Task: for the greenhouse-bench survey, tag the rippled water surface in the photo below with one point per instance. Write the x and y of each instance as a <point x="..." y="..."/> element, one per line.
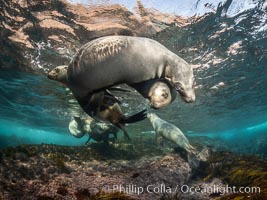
<point x="231" y="90"/>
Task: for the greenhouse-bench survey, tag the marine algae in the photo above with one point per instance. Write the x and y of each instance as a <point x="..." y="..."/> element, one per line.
<point x="241" y="171"/>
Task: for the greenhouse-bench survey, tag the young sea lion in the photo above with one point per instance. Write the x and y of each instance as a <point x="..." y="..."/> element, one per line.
<point x="170" y="132"/>
<point x="161" y="95"/>
<point x="109" y="110"/>
<point x="158" y="92"/>
<point x="108" y="61"/>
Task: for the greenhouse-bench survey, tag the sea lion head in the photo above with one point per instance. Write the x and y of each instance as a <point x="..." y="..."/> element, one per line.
<point x="160" y="95"/>
<point x="59" y="74"/>
<point x="180" y="76"/>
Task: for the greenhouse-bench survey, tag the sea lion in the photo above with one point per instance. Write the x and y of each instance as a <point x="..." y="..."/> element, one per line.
<point x="99" y="131"/>
<point x="111" y="60"/>
<point x="161" y="95"/>
<point x="170" y="132"/>
<point x="109" y="110"/>
<point x="106" y="107"/>
<point x="158" y="92"/>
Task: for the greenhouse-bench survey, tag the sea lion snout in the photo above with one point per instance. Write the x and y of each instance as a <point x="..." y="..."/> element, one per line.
<point x="186" y="91"/>
<point x="190" y="99"/>
<point x="188" y="96"/>
<point x="52" y="75"/>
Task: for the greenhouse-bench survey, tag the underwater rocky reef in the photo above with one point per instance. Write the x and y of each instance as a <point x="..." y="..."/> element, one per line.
<point x="124" y="171"/>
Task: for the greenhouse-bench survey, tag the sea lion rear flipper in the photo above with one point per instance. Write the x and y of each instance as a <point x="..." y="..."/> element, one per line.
<point x="193" y="160"/>
<point x="135" y="118"/>
<point x="88" y="140"/>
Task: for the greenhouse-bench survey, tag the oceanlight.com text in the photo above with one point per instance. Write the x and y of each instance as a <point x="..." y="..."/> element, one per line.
<point x="219" y="189"/>
<point x="162" y="188"/>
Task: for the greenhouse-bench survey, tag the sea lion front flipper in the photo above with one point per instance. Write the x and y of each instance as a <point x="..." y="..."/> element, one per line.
<point x="109" y="96"/>
<point x="135" y="118"/>
<point x="126" y="135"/>
<point x="119" y="89"/>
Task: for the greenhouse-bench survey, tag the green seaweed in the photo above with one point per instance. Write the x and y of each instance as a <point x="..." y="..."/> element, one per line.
<point x="241" y="171"/>
<point x="58" y="159"/>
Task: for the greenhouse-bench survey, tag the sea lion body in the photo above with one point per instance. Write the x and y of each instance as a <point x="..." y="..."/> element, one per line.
<point x="112" y="60"/>
<point x="170" y="132"/>
<point x="158" y="92"/>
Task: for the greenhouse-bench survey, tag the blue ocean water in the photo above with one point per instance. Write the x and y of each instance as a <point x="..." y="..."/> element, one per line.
<point x="231" y="94"/>
<point x="34" y="109"/>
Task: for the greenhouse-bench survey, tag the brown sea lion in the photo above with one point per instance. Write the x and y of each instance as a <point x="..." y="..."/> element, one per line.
<point x="108" y="61"/>
<point x="173" y="134"/>
<point x="158" y="92"/>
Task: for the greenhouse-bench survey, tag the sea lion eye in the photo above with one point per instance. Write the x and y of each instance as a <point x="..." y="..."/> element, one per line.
<point x="165" y="95"/>
<point x="178" y="87"/>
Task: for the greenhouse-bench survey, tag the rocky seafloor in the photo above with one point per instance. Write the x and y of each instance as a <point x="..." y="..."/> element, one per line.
<point x="97" y="171"/>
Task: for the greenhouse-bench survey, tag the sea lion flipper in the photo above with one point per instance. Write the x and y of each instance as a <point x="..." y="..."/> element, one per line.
<point x="88" y="140"/>
<point x="136" y="117"/>
<point x="119" y="89"/>
<point x="126" y="135"/>
<point x="114" y="99"/>
<point x="193" y="159"/>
